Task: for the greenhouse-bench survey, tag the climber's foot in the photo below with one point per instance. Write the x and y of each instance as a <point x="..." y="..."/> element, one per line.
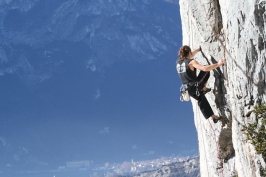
<point x="206" y="90"/>
<point x="216" y="119"/>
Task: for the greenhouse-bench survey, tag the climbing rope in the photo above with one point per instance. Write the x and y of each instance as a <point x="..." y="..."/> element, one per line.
<point x="223" y="44"/>
<point x="217" y="149"/>
<point x="203" y="145"/>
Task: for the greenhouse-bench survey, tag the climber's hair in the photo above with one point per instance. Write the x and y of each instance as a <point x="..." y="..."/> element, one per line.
<point x="184" y="52"/>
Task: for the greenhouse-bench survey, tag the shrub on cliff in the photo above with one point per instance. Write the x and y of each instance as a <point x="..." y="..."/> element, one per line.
<point x="256" y="132"/>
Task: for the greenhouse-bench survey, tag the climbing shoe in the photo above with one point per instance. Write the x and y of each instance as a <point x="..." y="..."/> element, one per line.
<point x="206" y="91"/>
<point x="215" y="120"/>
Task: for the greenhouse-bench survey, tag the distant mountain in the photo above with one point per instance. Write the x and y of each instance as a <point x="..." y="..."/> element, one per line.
<point x="34" y="33"/>
<point x="74" y="77"/>
<point x="189" y="168"/>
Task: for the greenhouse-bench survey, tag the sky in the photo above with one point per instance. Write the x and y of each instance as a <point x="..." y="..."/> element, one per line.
<point x="85" y="98"/>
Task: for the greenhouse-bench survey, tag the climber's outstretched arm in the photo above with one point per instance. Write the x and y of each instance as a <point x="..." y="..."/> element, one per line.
<point x="195" y="64"/>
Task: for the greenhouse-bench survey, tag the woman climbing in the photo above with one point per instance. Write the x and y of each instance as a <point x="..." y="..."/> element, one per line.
<point x="196" y="85"/>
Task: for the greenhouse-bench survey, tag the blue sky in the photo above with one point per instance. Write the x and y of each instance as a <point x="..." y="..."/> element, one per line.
<point x="90" y="98"/>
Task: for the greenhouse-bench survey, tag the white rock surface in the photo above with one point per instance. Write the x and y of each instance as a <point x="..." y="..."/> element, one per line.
<point x="234" y="30"/>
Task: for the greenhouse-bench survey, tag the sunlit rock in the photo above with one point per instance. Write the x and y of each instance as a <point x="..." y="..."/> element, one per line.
<point x="234" y="30"/>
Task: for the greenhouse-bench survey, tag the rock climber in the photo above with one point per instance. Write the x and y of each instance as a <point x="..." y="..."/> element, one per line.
<point x="187" y="70"/>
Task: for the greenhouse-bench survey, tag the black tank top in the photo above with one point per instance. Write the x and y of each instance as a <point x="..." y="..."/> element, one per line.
<point x="185" y="73"/>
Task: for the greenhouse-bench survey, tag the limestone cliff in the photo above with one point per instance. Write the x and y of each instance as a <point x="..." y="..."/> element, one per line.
<point x="234" y="30"/>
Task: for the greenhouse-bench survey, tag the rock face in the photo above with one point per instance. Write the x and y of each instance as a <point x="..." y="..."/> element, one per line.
<point x="234" y="30"/>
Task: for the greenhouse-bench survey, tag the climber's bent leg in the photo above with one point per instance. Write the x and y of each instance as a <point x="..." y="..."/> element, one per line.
<point x="203" y="105"/>
<point x="202" y="79"/>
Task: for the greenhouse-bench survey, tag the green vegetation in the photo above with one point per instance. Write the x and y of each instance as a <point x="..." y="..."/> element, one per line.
<point x="256" y="132"/>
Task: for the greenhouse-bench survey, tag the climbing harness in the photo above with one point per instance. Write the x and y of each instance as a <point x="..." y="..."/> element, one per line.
<point x="197" y="88"/>
<point x="184" y="90"/>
